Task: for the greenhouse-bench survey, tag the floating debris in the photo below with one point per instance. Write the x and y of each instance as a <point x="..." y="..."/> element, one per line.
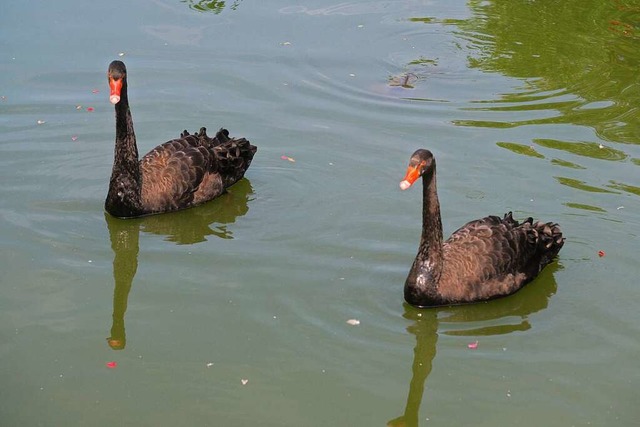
<point x="353" y="322"/>
<point x="472" y="345"/>
<point x="406" y="80"/>
<point x="78" y="107"/>
<point x="244" y="381"/>
<point x="210" y="364"/>
<point x="290" y="159"/>
<point x="74" y="138"/>
<point x="285" y="44"/>
<point x="121" y="54"/>
<point x="41" y="122"/>
<point x="95" y="91"/>
<point x="601" y="254"/>
<point x="112" y="365"/>
<point x="90" y="109"/>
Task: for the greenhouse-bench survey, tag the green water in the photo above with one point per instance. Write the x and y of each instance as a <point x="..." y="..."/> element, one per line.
<point x="235" y="313"/>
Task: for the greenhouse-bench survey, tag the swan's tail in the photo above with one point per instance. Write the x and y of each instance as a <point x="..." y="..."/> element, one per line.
<point x="544" y="239"/>
<point x="234" y="156"/>
<point x="550" y="241"/>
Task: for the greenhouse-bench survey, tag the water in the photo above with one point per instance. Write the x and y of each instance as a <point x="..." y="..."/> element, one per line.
<point x="235" y="313"/>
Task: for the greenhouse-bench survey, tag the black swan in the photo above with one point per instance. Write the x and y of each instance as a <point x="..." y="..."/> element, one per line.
<point x="484" y="259"/>
<point x="178" y="174"/>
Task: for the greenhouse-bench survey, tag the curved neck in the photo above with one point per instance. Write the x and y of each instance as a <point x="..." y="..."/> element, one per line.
<point x="431" y="241"/>
<point x="126" y="152"/>
<point x="421" y="286"/>
<point x="124" y="197"/>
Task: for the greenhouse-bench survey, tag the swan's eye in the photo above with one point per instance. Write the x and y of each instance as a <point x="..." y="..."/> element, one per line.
<point x="423" y="166"/>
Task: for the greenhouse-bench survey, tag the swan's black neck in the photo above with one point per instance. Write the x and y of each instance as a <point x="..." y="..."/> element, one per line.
<point x="123" y="199"/>
<point x="421" y="285"/>
<point x="126" y="154"/>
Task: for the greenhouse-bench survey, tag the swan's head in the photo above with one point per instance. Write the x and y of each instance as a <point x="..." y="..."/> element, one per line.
<point x="421" y="161"/>
<point x="117" y="74"/>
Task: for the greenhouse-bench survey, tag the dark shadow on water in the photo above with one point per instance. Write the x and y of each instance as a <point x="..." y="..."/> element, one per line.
<point x="498" y="317"/>
<point x="186" y="227"/>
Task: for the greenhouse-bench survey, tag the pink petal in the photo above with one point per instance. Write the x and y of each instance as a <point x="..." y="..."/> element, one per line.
<point x="111" y="365"/>
<point x="473" y="345"/>
<point x="95" y="91"/>
<point x="89" y="109"/>
<point x="74" y="138"/>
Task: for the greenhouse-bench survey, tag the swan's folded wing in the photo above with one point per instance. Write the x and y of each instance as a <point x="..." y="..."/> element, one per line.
<point x="172" y="172"/>
<point x="486" y="258"/>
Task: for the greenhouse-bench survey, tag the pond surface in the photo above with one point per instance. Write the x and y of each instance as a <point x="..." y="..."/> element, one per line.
<point x="236" y="312"/>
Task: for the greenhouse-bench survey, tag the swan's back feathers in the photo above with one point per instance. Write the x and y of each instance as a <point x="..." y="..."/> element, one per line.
<point x="192" y="169"/>
<point x="221" y="137"/>
<point x="493" y="257"/>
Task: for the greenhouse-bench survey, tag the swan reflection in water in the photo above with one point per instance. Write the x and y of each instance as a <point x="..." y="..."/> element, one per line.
<point x="186" y="227"/>
<point x="502" y="316"/>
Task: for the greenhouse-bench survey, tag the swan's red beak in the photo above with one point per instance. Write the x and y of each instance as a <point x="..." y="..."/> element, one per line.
<point x="115" y="88"/>
<point x="413" y="173"/>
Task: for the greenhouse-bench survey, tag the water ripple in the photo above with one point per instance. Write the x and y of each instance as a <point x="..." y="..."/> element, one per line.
<point x="587" y="149"/>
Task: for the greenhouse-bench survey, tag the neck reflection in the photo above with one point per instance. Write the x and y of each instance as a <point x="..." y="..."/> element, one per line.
<point x="186" y="227"/>
<point x="502" y="316"/>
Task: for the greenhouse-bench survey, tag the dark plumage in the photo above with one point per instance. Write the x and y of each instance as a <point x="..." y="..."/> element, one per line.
<point x="484" y="259"/>
<point x="178" y="174"/>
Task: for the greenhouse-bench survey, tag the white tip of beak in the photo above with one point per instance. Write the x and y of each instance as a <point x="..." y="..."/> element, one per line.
<point x="114" y="99"/>
<point x="404" y="185"/>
